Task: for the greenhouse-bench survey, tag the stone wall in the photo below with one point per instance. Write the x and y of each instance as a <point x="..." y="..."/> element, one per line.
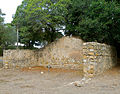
<point x="68" y="52"/>
<point x="98" y="57"/>
<point x="65" y="52"/>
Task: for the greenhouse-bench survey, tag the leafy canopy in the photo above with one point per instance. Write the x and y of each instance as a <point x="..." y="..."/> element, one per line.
<point x="40" y="20"/>
<point x="7" y="33"/>
<point x="95" y="21"/>
<point x="91" y="20"/>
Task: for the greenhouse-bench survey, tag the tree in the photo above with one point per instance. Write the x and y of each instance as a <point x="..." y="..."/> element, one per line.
<point x="74" y="16"/>
<point x="101" y="22"/>
<point x="1" y="26"/>
<point x="41" y="20"/>
<point x="97" y="20"/>
<point x="90" y="18"/>
<point x="20" y="22"/>
<point x="9" y="36"/>
<point x="7" y="33"/>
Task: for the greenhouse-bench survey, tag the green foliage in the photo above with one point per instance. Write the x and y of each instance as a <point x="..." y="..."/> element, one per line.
<point x="1" y="26"/>
<point x="95" y="21"/>
<point x="92" y="20"/>
<point x="1" y="51"/>
<point x="7" y="33"/>
<point x="100" y="22"/>
<point x="40" y="20"/>
<point x="8" y="36"/>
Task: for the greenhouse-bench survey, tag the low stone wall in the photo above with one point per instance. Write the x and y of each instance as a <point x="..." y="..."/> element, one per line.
<point x="64" y="53"/>
<point x="98" y="57"/>
<point x="68" y="52"/>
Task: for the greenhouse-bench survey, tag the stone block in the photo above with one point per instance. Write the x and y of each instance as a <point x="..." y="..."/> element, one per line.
<point x="91" y="53"/>
<point x="91" y="75"/>
<point x="91" y="71"/>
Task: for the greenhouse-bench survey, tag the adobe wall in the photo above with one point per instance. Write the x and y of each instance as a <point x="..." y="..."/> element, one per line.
<point x="66" y="52"/>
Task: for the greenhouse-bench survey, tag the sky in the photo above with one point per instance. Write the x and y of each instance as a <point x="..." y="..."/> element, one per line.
<point x="9" y="8"/>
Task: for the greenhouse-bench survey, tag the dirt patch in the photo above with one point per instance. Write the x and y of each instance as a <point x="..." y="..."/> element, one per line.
<point x="42" y="68"/>
<point x="27" y="86"/>
<point x="3" y="81"/>
<point x="31" y="81"/>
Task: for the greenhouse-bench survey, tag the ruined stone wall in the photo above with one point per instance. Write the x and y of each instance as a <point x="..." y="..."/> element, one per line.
<point x="98" y="57"/>
<point x="65" y="52"/>
<point x="68" y="52"/>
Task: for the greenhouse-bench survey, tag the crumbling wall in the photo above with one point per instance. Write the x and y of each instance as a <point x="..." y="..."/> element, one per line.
<point x="68" y="52"/>
<point x="98" y="57"/>
<point x="65" y="52"/>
